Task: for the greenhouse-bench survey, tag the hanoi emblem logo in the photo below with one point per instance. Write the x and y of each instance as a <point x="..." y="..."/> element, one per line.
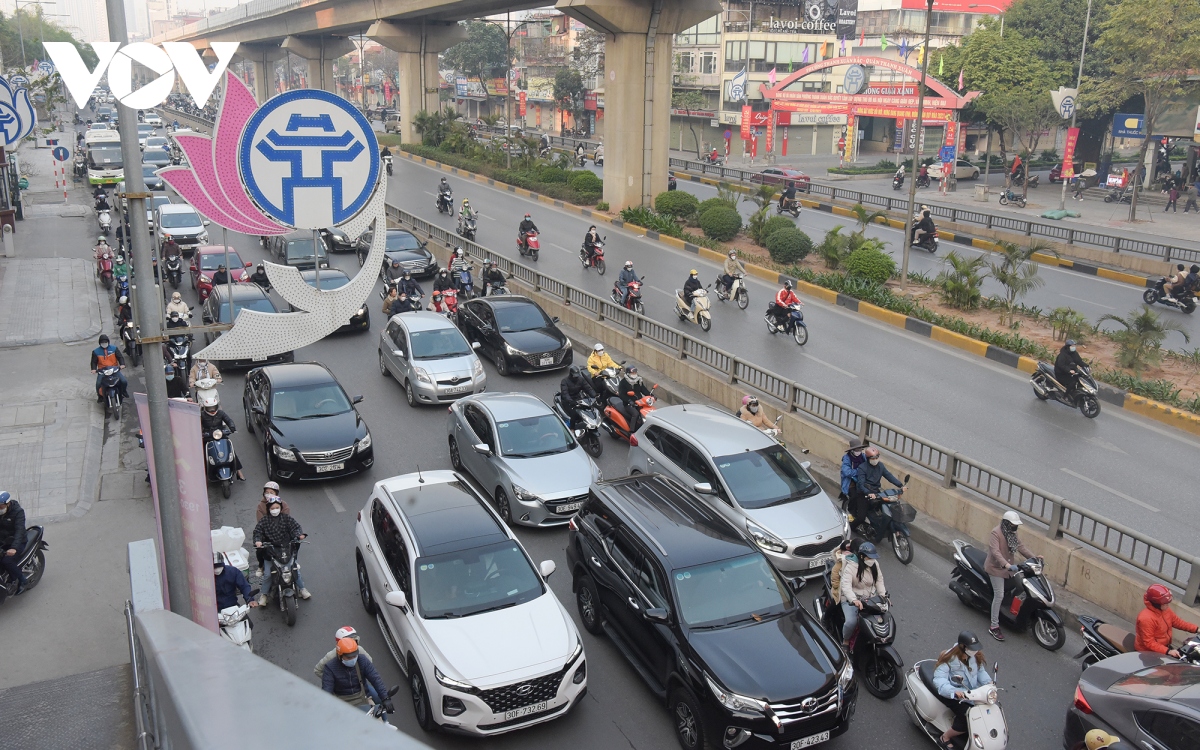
<point x="309" y="159"/>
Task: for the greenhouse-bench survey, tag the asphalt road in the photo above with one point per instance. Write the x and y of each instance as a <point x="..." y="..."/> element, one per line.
<point x="1120" y="465"/>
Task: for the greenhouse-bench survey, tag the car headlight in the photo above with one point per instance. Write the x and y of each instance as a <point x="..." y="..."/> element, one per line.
<point x="524" y="494"/>
<point x="361" y="311"/>
<point x="511" y="351"/>
<point x="204" y="279"/>
<point x="738" y="704"/>
<point x="452" y="683"/>
<point x="477" y="368"/>
<point x="764" y="538"/>
<point x="285" y="453"/>
<point x="422" y="375"/>
<point x="364" y="443"/>
<point x="846" y="676"/>
<point x="203" y="238"/>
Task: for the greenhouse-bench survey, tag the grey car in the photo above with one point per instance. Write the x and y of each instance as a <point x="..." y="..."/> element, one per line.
<point x="522" y="456"/>
<point x="748" y="478"/>
<point x="427" y="355"/>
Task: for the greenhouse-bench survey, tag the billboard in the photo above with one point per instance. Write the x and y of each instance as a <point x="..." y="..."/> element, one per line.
<point x="837" y="17"/>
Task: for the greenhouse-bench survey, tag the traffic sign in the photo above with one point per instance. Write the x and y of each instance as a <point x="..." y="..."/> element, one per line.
<point x="61" y="153"/>
<point x="946" y="155"/>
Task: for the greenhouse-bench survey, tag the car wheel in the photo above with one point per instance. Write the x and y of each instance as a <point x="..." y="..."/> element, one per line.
<point x="587" y="601"/>
<point x="420" y="698"/>
<point x="455" y="459"/>
<point x="500" y="362"/>
<point x="689" y="722"/>
<point x="270" y="463"/>
<point x="502" y="505"/>
<point x="383" y="370"/>
<point x="364" y="589"/>
<point x="409" y="396"/>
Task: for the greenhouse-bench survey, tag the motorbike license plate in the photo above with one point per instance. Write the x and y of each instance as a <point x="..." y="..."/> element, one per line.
<point x="330" y="467"/>
<point x="819" y="561"/>
<point x="815" y="739"/>
<point x="517" y="713"/>
<point x="569" y="507"/>
<point x="547" y="361"/>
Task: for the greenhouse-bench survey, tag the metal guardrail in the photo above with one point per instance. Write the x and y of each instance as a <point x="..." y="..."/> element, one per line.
<point x="1061" y="517"/>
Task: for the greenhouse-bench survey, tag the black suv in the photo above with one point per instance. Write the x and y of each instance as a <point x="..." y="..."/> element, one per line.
<point x="705" y="620"/>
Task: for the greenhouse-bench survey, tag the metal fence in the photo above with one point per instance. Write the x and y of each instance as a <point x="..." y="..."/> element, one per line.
<point x="1060" y="517"/>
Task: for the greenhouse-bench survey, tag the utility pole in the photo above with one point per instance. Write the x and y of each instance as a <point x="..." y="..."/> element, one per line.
<point x="1062" y="200"/>
<point x="148" y="305"/>
<point x="910" y="232"/>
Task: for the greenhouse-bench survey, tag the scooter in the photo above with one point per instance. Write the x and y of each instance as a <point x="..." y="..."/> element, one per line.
<point x="1011" y="196"/>
<point x="104" y="219"/>
<point x="464" y="282"/>
<point x="897" y="181"/>
<point x="791" y="207"/>
<point x="699" y="311"/>
<point x="923" y="181"/>
<point x="284" y="564"/>
<point x="450" y="302"/>
<point x="387" y="163"/>
<point x="445" y="202"/>
<point x="614" y="422"/>
<point x="32" y="562"/>
<point x="1119" y="195"/>
<point x="530" y="247"/>
<point x="877" y="662"/>
<point x="1084" y="397"/>
<point x="467" y="227"/>
<point x="206" y="392"/>
<point x="104" y="268"/>
<point x="120" y="288"/>
<point x="598" y="159"/>
<point x="1028" y="597"/>
<point x="587" y="432"/>
<point x="986" y="727"/>
<point x="896" y="518"/>
<point x="1101" y="640"/>
<point x="926" y="242"/>
<point x="218" y="449"/>
<point x="133" y="348"/>
<point x="174" y="268"/>
<point x="736" y="292"/>
<point x="793" y="325"/>
<point x="1181" y="301"/>
<point x="710" y="159"/>
<point x="110" y="390"/>
<point x="235" y="625"/>
<point x="178" y="351"/>
<point x="634" y="302"/>
<point x="596" y="260"/>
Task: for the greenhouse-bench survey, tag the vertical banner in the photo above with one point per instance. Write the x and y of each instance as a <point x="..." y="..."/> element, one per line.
<point x="785" y="133"/>
<point x="898" y="139"/>
<point x="771" y="130"/>
<point x="191" y="473"/>
<point x="851" y="140"/>
<point x="521" y="104"/>
<point x="1068" y="165"/>
<point x="746" y="122"/>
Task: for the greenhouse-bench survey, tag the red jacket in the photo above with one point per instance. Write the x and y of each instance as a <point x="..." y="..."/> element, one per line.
<point x="1154" y="629"/>
<point x="786" y="297"/>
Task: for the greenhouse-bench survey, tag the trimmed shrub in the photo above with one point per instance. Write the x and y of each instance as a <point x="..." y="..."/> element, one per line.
<point x="710" y="203"/>
<point x="721" y="223"/>
<point x="770" y="227"/>
<point x="547" y="173"/>
<point x="602" y="206"/>
<point x="583" y="181"/>
<point x="676" y="203"/>
<point x="870" y="264"/>
<point x="788" y="245"/>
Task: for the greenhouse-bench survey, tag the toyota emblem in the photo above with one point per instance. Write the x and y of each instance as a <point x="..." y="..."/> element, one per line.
<point x="808" y="705"/>
<point x="526" y="689"/>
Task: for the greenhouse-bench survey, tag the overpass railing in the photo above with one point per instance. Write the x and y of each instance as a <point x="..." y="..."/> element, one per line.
<point x="1060" y="517"/>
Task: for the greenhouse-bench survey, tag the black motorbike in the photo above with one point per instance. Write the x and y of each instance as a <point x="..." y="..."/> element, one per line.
<point x="178" y="351"/>
<point x="897" y="181"/>
<point x="1101" y="640"/>
<point x="133" y="348"/>
<point x="174" y="269"/>
<point x="878" y="663"/>
<point x="284" y="564"/>
<point x="925" y="241"/>
<point x="923" y="181"/>
<point x="1182" y="300"/>
<point x="788" y="207"/>
<point x="32" y="562"/>
<point x="1085" y="397"/>
<point x="587" y="428"/>
<point x="895" y="517"/>
<point x="1028" y="597"/>
<point x="110" y="390"/>
<point x="467" y="227"/>
<point x="445" y="201"/>
<point x="1119" y="195"/>
<point x="218" y="449"/>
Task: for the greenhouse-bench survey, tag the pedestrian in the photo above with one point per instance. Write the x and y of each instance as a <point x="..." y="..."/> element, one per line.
<point x="1193" y="192"/>
<point x="1172" y="199"/>
<point x="1079" y="188"/>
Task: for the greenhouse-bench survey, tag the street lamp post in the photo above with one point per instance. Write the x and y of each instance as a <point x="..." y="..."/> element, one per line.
<point x="910" y="232"/>
<point x="1062" y="200"/>
<point x="509" y="32"/>
<point x="993" y="7"/>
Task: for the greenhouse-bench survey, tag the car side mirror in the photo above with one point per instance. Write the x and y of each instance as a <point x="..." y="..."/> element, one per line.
<point x="476" y="345"/>
<point x="796" y="584"/>
<point x="547" y="568"/>
<point x="704" y="488"/>
<point x="397" y="599"/>
<point x="482" y="449"/>
<point x="805" y="465"/>
<point x="554" y="319"/>
<point x="207" y="222"/>
<point x="356" y="400"/>
<point x="656" y="614"/>
<point x="248" y="264"/>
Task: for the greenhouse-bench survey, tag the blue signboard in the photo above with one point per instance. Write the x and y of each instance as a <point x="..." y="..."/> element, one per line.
<point x="61" y="153"/>
<point x="1129" y="126"/>
<point x="946" y="154"/>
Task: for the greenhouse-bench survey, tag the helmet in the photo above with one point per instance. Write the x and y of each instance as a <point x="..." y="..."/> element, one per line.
<point x="573" y="371"/>
<point x="218" y="559"/>
<point x="527" y="216"/>
<point x="631" y="374"/>
<point x="966" y="639"/>
<point x="347" y="646"/>
<point x="733" y="253"/>
<point x="1069" y="342"/>
<point x="102" y="241"/>
<point x="787" y="285"/>
<point x="274" y="486"/>
<point x="174" y="315"/>
<point x="1012" y="517"/>
<point x="872" y="452"/>
<point x="866" y="549"/>
<point x="693" y="272"/>
<point x="746" y="400"/>
<point x="122" y="300"/>
<point x="176" y="296"/>
<point x="120" y="258"/>
<point x="465" y="203"/>
<point x="598" y="348"/>
<point x="1098" y="739"/>
<point x="4" y="498"/>
<point x="1158" y="595"/>
<point x="629" y="264"/>
<point x="346" y="632"/>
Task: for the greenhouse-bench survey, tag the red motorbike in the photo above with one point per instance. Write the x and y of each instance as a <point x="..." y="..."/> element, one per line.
<point x="449" y="303"/>
<point x="634" y="301"/>
<point x="104" y="265"/>
<point x="529" y="245"/>
<point x="595" y="259"/>
<point x="614" y="422"/>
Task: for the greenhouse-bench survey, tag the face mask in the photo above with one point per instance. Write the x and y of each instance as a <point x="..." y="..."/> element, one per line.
<point x="3" y="509"/>
<point x="218" y="571"/>
<point x="856" y="454"/>
<point x="171" y="377"/>
<point x="350" y="662"/>
<point x="1072" y="348"/>
<point x="971" y="653"/>
<point x="753" y="408"/>
<point x="275" y="511"/>
<point x="874" y="461"/>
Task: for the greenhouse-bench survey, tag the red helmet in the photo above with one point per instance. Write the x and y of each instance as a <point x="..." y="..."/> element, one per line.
<point x="1157" y="595"/>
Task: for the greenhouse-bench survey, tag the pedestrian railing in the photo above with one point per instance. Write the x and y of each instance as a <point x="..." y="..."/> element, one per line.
<point x="1061" y="517"/>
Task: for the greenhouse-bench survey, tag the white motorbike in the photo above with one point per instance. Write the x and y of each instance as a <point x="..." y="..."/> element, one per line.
<point x="699" y="311"/>
<point x="235" y="625"/>
<point x="986" y="727"/>
<point x="206" y="392"/>
<point x="104" y="219"/>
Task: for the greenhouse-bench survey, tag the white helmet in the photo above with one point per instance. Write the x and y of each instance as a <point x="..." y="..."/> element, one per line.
<point x="598" y="348"/>
<point x="209" y="397"/>
<point x="1012" y="517"/>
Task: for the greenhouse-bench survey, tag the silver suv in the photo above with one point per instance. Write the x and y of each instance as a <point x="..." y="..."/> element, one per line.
<point x="747" y="477"/>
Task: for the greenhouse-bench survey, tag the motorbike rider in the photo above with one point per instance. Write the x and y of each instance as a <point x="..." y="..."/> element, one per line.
<point x="751" y="412"/>
<point x="733" y="268"/>
<point x="124" y="311"/>
<point x="277" y="528"/>
<point x="1003" y="547"/>
<point x="579" y="158"/>
<point x="443" y="281"/>
<point x="349" y="675"/>
<point x="1157" y="620"/>
<point x="787" y="199"/>
<point x="960" y="669"/>
<point x="402" y="304"/>
<point x="861" y="578"/>
<point x="213" y="418"/>
<point x="260" y="277"/>
<point x="923" y="174"/>
<point x="924" y="228"/>
<point x="103" y="247"/>
<point x="690" y="287"/>
<point x="599" y="157"/>
<point x="869" y="484"/>
<point x="175" y="320"/>
<point x="444" y="189"/>
<point x="202" y="369"/>
<point x="714" y="156"/>
<point x="177" y="305"/>
<point x="1192" y="282"/>
<point x="459" y="263"/>
<point x="12" y="538"/>
<point x="784" y="299"/>
<point x="408" y="285"/>
<point x="436" y="304"/>
<point x="101" y="198"/>
<point x="391" y="296"/>
<point x="393" y="274"/>
<point x="107" y="355"/>
<point x="851" y="460"/>
<point x="120" y="266"/>
<point x="346" y="631"/>
<point x="176" y="388"/>
<point x="571" y="389"/>
<point x="465" y="212"/>
<point x="1174" y="282"/>
<point x="230" y="581"/>
<point x="526" y="226"/>
<point x="493" y="278"/>
<point x="624" y="279"/>
<point x="1066" y="366"/>
<point x="170" y="248"/>
<point x="899" y="175"/>
<point x="270" y="494"/>
<point x="221" y="276"/>
<point x="599" y="360"/>
<point x="630" y="390"/>
<point x="590" y="240"/>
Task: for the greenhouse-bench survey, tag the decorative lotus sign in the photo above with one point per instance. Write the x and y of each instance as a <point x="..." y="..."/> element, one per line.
<point x="17" y="118"/>
<point x="305" y="160"/>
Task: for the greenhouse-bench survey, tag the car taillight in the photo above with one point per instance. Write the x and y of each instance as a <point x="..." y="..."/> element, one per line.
<point x="1081" y="702"/>
<point x="633" y="440"/>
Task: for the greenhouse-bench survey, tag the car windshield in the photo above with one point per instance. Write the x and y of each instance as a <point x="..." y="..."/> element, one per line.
<point x="210" y="261"/>
<point x="473" y="581"/>
<point x="178" y="220"/>
<point x="440" y="344"/>
<point x="156" y="156"/>
<point x="260" y="305"/>
<point x="144" y="129"/>
<point x="309" y="401"/>
<point x="722" y="593"/>
<point x="156" y="141"/>
<point x="159" y="200"/>
<point x="302" y="249"/>
<point x="766" y="477"/>
<point x="329" y="281"/>
<point x="148" y="171"/>
<point x="542" y="435"/>
<point x="105" y="158"/>
<point x="516" y="318"/>
<point x="401" y="241"/>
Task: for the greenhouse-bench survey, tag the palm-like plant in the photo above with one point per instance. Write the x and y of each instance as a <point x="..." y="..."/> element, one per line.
<point x="960" y="281"/>
<point x="1016" y="271"/>
<point x="762" y="196"/>
<point x="865" y="217"/>
<point x="729" y="194"/>
<point x="1139" y="344"/>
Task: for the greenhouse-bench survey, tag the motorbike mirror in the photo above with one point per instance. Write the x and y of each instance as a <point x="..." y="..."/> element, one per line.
<point x="805" y="465"/>
<point x="475" y="345"/>
<point x="547" y="568"/>
<point x="255" y="592"/>
<point x="395" y="689"/>
<point x="356" y="400"/>
<point x="704" y="488"/>
<point x="482" y="449"/>
<point x="656" y="614"/>
<point x="207" y="319"/>
<point x="396" y="599"/>
<point x="797" y="583"/>
<point x="906" y="476"/>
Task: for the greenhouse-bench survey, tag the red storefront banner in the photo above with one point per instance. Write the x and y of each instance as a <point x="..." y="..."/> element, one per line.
<point x="589" y="100"/>
<point x="521" y="104"/>
<point x="911" y="114"/>
<point x="770" y="132"/>
<point x="950" y="132"/>
<point x="1068" y="167"/>
<point x="746" y="116"/>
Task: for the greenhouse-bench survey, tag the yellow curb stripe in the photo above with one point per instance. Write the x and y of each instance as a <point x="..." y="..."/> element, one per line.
<point x="1128" y="278"/>
<point x="1027" y="364"/>
<point x="712" y="255"/>
<point x="820" y="292"/>
<point x="1161" y="412"/>
<point x="675" y="242"/>
<point x="765" y="274"/>
<point x="880" y="314"/>
<point x="958" y="341"/>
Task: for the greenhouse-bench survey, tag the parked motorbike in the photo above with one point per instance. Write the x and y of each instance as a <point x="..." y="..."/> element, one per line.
<point x="896" y="518"/>
<point x="104" y="268"/>
<point x="1119" y="195"/>
<point x="174" y="268"/>
<point x="284" y="563"/>
<point x="387" y="163"/>
<point x="133" y="348"/>
<point x="737" y="291"/>
<point x="614" y="421"/>
<point x="790" y="207"/>
<point x="793" y="324"/>
<point x="1018" y="179"/>
<point x="32" y="562"/>
<point x="1182" y="300"/>
<point x="235" y="625"/>
<point x="110" y="390"/>
<point x="587" y="429"/>
<point x="698" y="312"/>
<point x="1028" y="597"/>
<point x="876" y="661"/>
<point x="926" y="242"/>
<point x="530" y="246"/>
<point x="104" y="220"/>
<point x="596" y="259"/>
<point x="634" y="302"/>
<point x="1083" y="398"/>
<point x="932" y="714"/>
<point x="445" y="201"/>
<point x="1011" y="196"/>
<point x="897" y="181"/>
<point x="1102" y="640"/>
<point x="467" y="227"/>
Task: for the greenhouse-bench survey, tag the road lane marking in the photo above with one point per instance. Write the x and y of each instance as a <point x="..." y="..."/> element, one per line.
<point x="831" y="367"/>
<point x="489" y="218"/>
<point x="661" y="291"/>
<point x="1086" y="301"/>
<point x="333" y="500"/>
<point x="1110" y="490"/>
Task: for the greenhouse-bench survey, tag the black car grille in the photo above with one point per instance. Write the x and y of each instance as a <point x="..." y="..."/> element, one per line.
<point x="535" y="360"/>
<point x="820" y="548"/>
<point x="805" y="709"/>
<point x="456" y="380"/>
<point x="328" y="457"/>
<point x="554" y="505"/>
<point x="526" y="693"/>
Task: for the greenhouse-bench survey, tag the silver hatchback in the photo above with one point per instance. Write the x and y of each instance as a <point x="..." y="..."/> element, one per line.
<point x="427" y="355"/>
<point x="522" y="456"/>
<point x="747" y="477"/>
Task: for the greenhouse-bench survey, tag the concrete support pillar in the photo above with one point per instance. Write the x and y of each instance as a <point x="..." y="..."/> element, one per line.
<point x="637" y="88"/>
<point x="261" y="58"/>
<point x="418" y="45"/>
<point x="320" y="53"/>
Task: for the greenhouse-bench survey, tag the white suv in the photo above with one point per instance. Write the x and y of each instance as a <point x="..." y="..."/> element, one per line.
<point x="486" y="646"/>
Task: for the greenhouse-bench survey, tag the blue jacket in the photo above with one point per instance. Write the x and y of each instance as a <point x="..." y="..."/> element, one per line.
<point x="850" y="466"/>
<point x="346" y="682"/>
<point x="229" y="583"/>
<point x="627" y="275"/>
<point x="870" y="477"/>
<point x="972" y="677"/>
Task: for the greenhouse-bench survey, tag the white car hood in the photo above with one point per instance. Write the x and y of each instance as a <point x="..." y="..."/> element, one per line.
<point x="508" y="644"/>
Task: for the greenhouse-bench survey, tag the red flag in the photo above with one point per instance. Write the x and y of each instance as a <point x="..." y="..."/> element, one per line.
<point x="862" y="40"/>
<point x="960" y="79"/>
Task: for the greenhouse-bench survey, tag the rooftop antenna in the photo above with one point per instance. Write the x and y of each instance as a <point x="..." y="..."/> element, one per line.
<point x="420" y="479"/>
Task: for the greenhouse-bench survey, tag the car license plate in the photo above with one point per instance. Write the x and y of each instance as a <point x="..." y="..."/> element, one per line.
<point x="457" y="389"/>
<point x="819" y="561"/>
<point x="321" y="469"/>
<point x="517" y="713"/>
<point x="569" y="507"/>
<point x="815" y="739"/>
<point x="547" y="361"/>
<point x="263" y="358"/>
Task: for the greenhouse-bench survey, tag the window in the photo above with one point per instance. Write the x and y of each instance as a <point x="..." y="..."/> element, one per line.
<point x="708" y="63"/>
<point x="683" y="62"/>
<point x="673" y="449"/>
<point x="479" y="424"/>
<point x="309" y="401"/>
<point x="530" y="437"/>
<point x="391" y="543"/>
<point x="766" y="477"/>
<point x="624" y="553"/>
<point x="442" y="343"/>
<point x="396" y="333"/>
<point x="723" y="593"/>
<point x="697" y="468"/>
<point x="1171" y="730"/>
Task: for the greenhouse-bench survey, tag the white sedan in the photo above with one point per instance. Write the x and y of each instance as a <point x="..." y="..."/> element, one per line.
<point x="963" y="170"/>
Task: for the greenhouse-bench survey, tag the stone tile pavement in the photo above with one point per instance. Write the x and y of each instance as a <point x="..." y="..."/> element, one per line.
<point x="49" y="300"/>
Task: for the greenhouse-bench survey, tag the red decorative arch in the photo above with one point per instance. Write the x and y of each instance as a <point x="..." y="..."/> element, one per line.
<point x="947" y="98"/>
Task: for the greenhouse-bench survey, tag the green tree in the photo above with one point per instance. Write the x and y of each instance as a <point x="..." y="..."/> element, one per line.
<point x="481" y="55"/>
<point x="568" y="92"/>
<point x="1139" y="343"/>
<point x="865" y="217"/>
<point x="1056" y="27"/>
<point x="1017" y="272"/>
<point x="960" y="281"/>
<point x="1152" y="46"/>
<point x="689" y="100"/>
